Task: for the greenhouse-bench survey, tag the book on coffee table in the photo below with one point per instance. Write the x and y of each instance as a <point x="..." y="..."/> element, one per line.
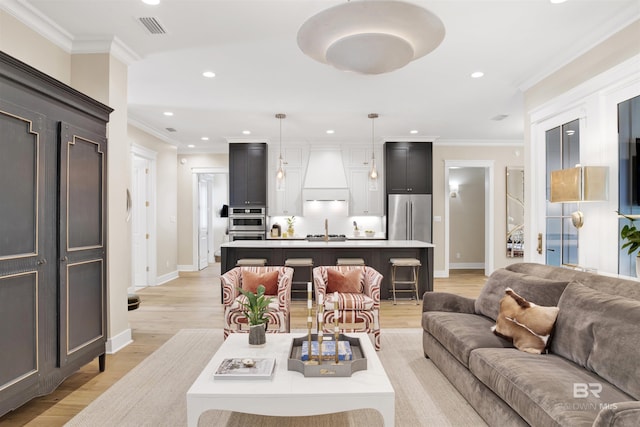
<point x="328" y="350"/>
<point x="246" y="368"/>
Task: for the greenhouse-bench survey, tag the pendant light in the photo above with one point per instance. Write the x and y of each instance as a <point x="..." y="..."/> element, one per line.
<point x="280" y="171"/>
<point x="373" y="173"/>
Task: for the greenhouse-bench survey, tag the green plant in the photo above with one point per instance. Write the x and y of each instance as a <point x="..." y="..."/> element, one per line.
<point x="256" y="305"/>
<point x="291" y="221"/>
<point x="631" y="235"/>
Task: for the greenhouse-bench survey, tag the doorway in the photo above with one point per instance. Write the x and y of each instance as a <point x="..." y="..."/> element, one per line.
<point x="210" y="194"/>
<point x="468" y="212"/>
<point x="143" y="226"/>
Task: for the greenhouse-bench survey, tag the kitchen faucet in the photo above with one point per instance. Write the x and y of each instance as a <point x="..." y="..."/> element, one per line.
<point x="326" y="230"/>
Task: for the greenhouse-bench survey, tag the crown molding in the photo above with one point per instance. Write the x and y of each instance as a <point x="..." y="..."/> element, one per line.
<point x="113" y="46"/>
<point x="38" y="22"/>
<point x="151" y="131"/>
<point x="480" y="142"/>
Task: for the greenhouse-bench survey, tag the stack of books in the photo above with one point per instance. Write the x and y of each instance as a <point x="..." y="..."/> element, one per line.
<point x="328" y="350"/>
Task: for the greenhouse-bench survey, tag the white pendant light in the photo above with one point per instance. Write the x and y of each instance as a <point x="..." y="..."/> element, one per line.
<point x="371" y="37"/>
<point x="373" y="173"/>
<point x="280" y="175"/>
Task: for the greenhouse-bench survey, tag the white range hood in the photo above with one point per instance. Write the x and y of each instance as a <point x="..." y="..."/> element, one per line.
<point x="325" y="179"/>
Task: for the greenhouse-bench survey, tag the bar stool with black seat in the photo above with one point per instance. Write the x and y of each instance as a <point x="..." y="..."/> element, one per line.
<point x="300" y="263"/>
<point x="412" y="263"/>
<point x="350" y="261"/>
<point x="251" y="262"/>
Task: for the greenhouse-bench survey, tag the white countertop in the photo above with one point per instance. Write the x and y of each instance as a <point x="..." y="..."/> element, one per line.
<point x="286" y="243"/>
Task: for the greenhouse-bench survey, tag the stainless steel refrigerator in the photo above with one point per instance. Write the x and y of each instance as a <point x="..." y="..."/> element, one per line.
<point x="409" y="217"/>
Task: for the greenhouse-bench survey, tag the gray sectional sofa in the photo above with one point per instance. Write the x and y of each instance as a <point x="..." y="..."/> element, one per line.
<point x="590" y="374"/>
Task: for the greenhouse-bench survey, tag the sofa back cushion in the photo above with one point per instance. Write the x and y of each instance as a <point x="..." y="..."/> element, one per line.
<point x="537" y="290"/>
<point x="600" y="332"/>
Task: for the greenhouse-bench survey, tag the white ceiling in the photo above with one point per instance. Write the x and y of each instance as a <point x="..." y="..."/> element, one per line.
<point x="260" y="71"/>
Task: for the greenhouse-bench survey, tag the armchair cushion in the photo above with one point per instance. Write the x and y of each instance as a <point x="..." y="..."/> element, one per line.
<point x="349" y="301"/>
<point x="347" y="282"/>
<point x="251" y="280"/>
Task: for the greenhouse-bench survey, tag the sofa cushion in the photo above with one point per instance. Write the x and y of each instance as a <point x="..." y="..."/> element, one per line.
<point x="539" y="291"/>
<point x="344" y="282"/>
<point x="600" y="332"/>
<point x="528" y="325"/>
<point x="460" y="333"/>
<point x="546" y="390"/>
<point x="269" y="279"/>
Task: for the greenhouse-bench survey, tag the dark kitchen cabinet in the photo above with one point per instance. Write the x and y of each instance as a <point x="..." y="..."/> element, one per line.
<point x="408" y="167"/>
<point x="248" y="174"/>
<point x="53" y="164"/>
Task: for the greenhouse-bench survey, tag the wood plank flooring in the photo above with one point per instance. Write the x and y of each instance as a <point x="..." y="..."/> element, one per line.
<point x="191" y="301"/>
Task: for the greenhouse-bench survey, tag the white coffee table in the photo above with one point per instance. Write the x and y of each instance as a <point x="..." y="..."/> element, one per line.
<point x="289" y="393"/>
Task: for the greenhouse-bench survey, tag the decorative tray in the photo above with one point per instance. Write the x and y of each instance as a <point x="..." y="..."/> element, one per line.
<point x="327" y="368"/>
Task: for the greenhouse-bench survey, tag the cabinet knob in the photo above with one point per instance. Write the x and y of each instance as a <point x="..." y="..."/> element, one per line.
<point x="41" y="261"/>
<point x="64" y="259"/>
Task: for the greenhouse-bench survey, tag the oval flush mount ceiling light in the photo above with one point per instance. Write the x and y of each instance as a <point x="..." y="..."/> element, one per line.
<point x="371" y="37"/>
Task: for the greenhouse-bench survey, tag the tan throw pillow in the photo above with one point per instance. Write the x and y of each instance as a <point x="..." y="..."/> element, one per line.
<point x="269" y="280"/>
<point x="528" y="325"/>
<point x="349" y="282"/>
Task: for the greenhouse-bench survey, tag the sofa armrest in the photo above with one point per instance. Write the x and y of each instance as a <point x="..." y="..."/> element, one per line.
<point x="623" y="414"/>
<point x="442" y="301"/>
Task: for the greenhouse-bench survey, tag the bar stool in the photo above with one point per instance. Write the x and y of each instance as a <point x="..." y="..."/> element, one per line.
<point x="251" y="262"/>
<point x="414" y="264"/>
<point x="299" y="263"/>
<point x="350" y="261"/>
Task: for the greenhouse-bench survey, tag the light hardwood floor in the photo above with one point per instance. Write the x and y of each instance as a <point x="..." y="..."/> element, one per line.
<point x="191" y="301"/>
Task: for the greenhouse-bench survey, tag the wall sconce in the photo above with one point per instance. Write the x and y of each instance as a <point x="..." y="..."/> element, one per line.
<point x="453" y="190"/>
<point x="580" y="184"/>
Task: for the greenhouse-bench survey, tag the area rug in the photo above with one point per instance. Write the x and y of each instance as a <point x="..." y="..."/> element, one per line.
<point x="153" y="393"/>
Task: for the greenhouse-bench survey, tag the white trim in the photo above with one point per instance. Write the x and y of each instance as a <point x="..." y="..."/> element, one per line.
<point x="118" y="342"/>
<point x="488" y="165"/>
<point x="187" y="267"/>
<point x="114" y="47"/>
<point x="165" y="278"/>
<point x="38" y="22"/>
<point x="479" y="142"/>
<point x="614" y="25"/>
<point x="441" y="274"/>
<point x="151" y="130"/>
<point x="466" y="266"/>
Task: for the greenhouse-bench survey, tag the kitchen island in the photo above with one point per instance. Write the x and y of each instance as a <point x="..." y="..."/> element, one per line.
<point x="376" y="254"/>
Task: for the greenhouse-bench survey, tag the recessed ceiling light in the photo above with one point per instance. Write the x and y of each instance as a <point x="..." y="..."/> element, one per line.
<point x="168" y="113"/>
<point x="571" y="132"/>
<point x="205" y="138"/>
<point x="151" y="2"/>
<point x="246" y="132"/>
<point x="209" y="74"/>
<point x="557" y="1"/>
<point x="191" y="146"/>
<point x="330" y="131"/>
<point x="477" y="74"/>
<point x="413" y="132"/>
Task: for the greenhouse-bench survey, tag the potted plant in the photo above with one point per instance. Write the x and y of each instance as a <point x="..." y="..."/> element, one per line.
<point x="254" y="308"/>
<point x="631" y="235"/>
<point x="290" y="222"/>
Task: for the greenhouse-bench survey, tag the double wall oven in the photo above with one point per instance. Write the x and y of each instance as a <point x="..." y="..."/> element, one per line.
<point x="247" y="223"/>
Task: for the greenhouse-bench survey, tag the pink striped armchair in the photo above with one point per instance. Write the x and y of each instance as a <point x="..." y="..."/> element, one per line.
<point x="357" y="312"/>
<point x="280" y="312"/>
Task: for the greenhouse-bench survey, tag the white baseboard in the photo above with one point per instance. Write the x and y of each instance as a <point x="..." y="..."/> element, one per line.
<point x="120" y="341"/>
<point x="161" y="280"/>
<point x="441" y="274"/>
<point x="466" y="266"/>
<point x="187" y="268"/>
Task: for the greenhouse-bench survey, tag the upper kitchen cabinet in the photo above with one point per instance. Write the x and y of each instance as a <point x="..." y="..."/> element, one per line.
<point x="366" y="197"/>
<point x="248" y="174"/>
<point x="286" y="200"/>
<point x="408" y="167"/>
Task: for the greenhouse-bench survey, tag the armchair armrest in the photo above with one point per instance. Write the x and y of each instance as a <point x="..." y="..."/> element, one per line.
<point x="443" y="301"/>
<point x="229" y="281"/>
<point x="284" y="288"/>
<point x="623" y="414"/>
<point x="372" y="280"/>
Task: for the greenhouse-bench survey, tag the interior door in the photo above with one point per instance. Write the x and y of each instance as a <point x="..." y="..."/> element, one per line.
<point x="139" y="223"/>
<point x="203" y="224"/>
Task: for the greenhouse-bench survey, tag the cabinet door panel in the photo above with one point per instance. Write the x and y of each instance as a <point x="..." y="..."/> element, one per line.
<point x="396" y="168"/>
<point x="19" y="165"/>
<point x="19" y="331"/>
<point x="82" y="229"/>
<point x="256" y="175"/>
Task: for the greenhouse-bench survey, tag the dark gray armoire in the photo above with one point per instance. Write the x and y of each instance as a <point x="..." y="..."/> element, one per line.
<point x="53" y="201"/>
